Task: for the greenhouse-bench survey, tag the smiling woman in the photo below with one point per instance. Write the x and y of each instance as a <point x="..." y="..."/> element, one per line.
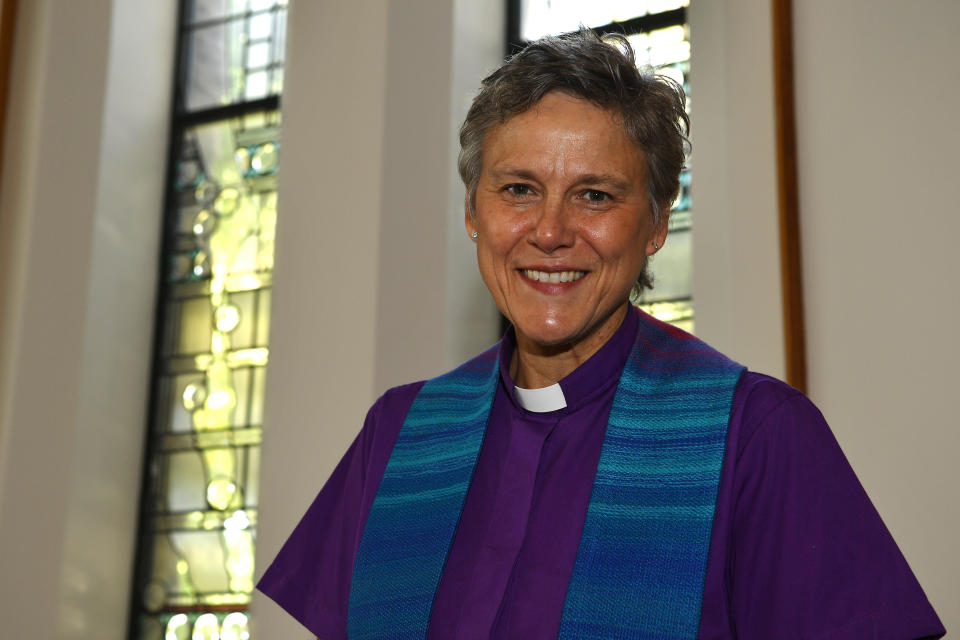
<point x="597" y="473"/>
<point x="562" y="192"/>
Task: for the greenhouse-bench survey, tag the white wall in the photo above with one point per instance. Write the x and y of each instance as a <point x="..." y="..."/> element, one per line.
<point x="878" y="93"/>
<point x="84" y="161"/>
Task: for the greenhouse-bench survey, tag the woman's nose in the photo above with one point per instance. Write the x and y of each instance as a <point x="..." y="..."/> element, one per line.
<point x="552" y="228"/>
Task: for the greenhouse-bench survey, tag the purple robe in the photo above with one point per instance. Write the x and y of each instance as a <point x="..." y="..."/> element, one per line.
<point x="797" y="549"/>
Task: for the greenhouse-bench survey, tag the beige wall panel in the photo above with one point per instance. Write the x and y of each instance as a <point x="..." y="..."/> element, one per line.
<point x="878" y="92"/>
<point x="320" y="379"/>
<point x="736" y="275"/>
<point x="83" y="187"/>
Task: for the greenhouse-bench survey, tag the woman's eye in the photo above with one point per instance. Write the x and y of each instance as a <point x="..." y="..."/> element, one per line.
<point x="518" y="189"/>
<point x="593" y="195"/>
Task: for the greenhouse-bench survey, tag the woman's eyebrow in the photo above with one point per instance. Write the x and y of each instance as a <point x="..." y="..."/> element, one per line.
<point x="608" y="180"/>
<point x="503" y="173"/>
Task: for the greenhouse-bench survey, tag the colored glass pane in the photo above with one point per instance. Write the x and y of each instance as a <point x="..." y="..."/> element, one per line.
<point x="235" y="51"/>
<point x="214" y="353"/>
<point x="218" y="625"/>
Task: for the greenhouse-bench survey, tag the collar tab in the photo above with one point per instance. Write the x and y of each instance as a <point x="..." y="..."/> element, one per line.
<point x="542" y="400"/>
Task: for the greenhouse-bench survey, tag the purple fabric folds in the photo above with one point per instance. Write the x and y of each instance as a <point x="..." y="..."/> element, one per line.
<point x="797" y="551"/>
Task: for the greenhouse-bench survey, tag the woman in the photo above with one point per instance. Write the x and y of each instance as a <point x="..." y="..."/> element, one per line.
<point x="597" y="474"/>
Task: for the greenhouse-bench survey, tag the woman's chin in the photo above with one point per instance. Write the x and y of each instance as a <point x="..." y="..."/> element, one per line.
<point x="562" y="332"/>
<point x="546" y="335"/>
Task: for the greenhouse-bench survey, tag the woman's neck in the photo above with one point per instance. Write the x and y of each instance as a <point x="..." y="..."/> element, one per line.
<point x="535" y="366"/>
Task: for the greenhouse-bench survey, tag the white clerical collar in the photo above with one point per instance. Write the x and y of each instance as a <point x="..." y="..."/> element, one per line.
<point x="541" y="400"/>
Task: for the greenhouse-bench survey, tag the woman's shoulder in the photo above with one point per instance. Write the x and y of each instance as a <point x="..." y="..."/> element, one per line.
<point x="800" y="523"/>
<point x="402" y="396"/>
<point x="399" y="397"/>
<point x="760" y="392"/>
<point x="385" y="417"/>
<point x="762" y="402"/>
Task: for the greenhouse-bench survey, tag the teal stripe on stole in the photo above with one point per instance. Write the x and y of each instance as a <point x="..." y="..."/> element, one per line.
<point x="642" y="559"/>
<point x="641" y="563"/>
<point x="418" y="503"/>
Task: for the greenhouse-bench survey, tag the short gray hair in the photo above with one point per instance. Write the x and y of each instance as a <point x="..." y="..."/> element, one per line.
<point x="603" y="71"/>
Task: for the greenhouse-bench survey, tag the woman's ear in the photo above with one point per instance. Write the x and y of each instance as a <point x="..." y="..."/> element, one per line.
<point x="659" y="237"/>
<point x="469" y="220"/>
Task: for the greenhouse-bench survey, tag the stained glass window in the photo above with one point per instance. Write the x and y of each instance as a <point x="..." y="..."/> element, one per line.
<point x="194" y="575"/>
<point x="658" y="32"/>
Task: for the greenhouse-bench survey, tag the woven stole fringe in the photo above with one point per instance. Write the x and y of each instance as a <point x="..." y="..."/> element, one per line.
<point x="641" y="562"/>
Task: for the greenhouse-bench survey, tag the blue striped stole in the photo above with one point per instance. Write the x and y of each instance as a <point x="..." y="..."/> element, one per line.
<point x="641" y="562"/>
<point x="415" y="512"/>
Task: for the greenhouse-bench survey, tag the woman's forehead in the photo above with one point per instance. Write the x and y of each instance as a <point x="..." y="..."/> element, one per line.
<point x="563" y="133"/>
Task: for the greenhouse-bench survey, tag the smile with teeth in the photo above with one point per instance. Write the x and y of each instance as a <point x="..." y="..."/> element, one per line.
<point x="553" y="277"/>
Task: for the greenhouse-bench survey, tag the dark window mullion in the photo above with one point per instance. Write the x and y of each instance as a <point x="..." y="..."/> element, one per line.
<point x="640" y="24"/>
<point x="228" y="111"/>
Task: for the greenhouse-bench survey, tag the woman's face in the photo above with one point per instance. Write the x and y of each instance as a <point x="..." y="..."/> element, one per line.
<point x="563" y="220"/>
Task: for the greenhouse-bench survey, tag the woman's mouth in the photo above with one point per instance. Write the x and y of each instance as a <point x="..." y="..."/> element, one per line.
<point x="553" y="277"/>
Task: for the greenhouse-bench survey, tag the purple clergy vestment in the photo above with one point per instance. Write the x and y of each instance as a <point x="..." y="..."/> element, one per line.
<point x="797" y="549"/>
